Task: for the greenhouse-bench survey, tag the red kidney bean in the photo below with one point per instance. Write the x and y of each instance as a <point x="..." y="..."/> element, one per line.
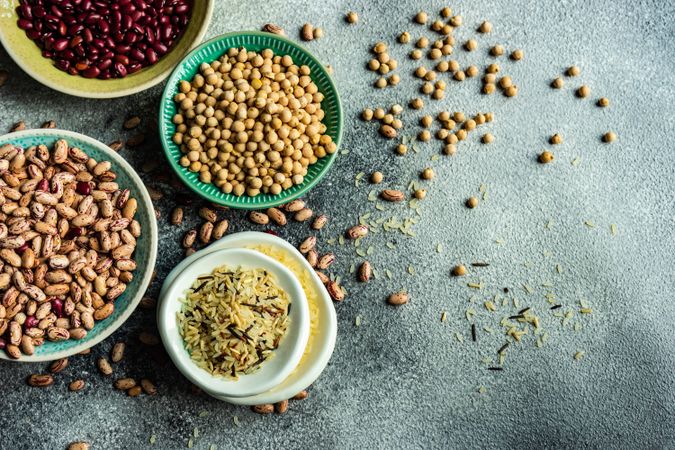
<point x="30" y="322"/>
<point x="60" y="45"/>
<point x="57" y="306"/>
<point x="103" y="38"/>
<point x="83" y="188"/>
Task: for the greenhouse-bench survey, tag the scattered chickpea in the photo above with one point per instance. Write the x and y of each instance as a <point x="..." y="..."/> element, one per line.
<point x="458" y="116"/>
<point x="440" y="84"/>
<point x="487" y="138"/>
<point x="459" y="75"/>
<point x="430" y="75"/>
<point x="558" y="83"/>
<point x="420" y="72"/>
<point x="437" y="25"/>
<point x="488" y="117"/>
<point x="450" y="149"/>
<point x="453" y="65"/>
<point x="446" y="29"/>
<point x="470" y="45"/>
<point x="404" y="37"/>
<point x="456" y="21"/>
<point x="556" y="139"/>
<point x="417" y="103"/>
<point x="388" y="119"/>
<point x="396" y="109"/>
<point x="517" y="55"/>
<point x="352" y="17"/>
<point x="420" y="194"/>
<point x="427" y="174"/>
<point x="459" y="270"/>
<point x="381" y="83"/>
<point x="452" y="139"/>
<point x="480" y="119"/>
<point x="505" y="82"/>
<point x="572" y="71"/>
<point x="424" y="136"/>
<point x="394" y="79"/>
<point x="416" y="54"/>
<point x="380" y="47"/>
<point x="376" y="177"/>
<point x="443" y="116"/>
<point x="442" y="133"/>
<point x="421" y="17"/>
<point x="446" y="12"/>
<point x="488" y="88"/>
<point x="378" y="113"/>
<point x="318" y="33"/>
<point x="583" y="91"/>
<point x="469" y="125"/>
<point x="426" y="121"/>
<point x="511" y="91"/>
<point x="374" y="64"/>
<point x="471" y="71"/>
<point x="442" y="66"/>
<point x="490" y="78"/>
<point x="367" y="114"/>
<point x="422" y="42"/>
<point x="435" y="53"/>
<point x="401" y="149"/>
<point x="603" y="102"/>
<point x="438" y="94"/>
<point x="397" y="124"/>
<point x="497" y="50"/>
<point x="492" y="68"/>
<point x="485" y="27"/>
<point x="608" y="137"/>
<point x="471" y="203"/>
<point x="546" y="157"/>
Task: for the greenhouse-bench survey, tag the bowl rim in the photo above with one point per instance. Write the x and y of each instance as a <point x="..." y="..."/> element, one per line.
<point x="114" y="94"/>
<point x="173" y="79"/>
<point x="325" y="341"/>
<point x="152" y="239"/>
<point x="175" y="345"/>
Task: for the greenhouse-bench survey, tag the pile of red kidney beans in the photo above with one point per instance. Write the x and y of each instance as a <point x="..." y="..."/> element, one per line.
<point x="103" y="38"/>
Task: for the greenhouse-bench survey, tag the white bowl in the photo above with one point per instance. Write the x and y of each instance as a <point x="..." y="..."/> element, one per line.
<point x="323" y="328"/>
<point x="272" y="371"/>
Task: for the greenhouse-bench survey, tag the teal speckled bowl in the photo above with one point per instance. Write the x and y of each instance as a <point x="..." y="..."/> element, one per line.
<point x="251" y="40"/>
<point x="146" y="249"/>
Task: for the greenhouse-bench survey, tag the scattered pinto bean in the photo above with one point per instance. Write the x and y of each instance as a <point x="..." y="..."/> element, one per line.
<point x="267" y="408"/>
<point x="398" y="298"/>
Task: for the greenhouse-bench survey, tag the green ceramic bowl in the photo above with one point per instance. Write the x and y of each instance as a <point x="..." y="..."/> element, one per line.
<point x="251" y="40"/>
<point x="27" y="55"/>
<point x="146" y="246"/>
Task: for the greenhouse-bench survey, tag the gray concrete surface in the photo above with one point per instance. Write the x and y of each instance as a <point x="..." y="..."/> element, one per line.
<point x="401" y="379"/>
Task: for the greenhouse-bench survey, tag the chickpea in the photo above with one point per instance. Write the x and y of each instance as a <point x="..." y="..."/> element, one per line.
<point x="471" y="202"/>
<point x="459" y="270"/>
<point x="546" y="157"/>
<point x="376" y="177"/>
<point x="427" y="174"/>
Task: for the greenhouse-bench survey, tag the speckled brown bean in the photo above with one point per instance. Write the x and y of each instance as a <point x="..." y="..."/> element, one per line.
<point x="40" y="380"/>
<point x="281" y="407"/>
<point x="320" y="222"/>
<point x="398" y="298"/>
<point x="134" y="391"/>
<point x="300" y="395"/>
<point x="177" y="216"/>
<point x="117" y="352"/>
<point x="79" y="445"/>
<point x="76" y="386"/>
<point x="124" y="384"/>
<point x="189" y="238"/>
<point x="295" y="205"/>
<point x="277" y="216"/>
<point x="58" y="365"/>
<point x="220" y="229"/>
<point x="307" y="245"/>
<point x="258" y="218"/>
<point x="303" y="215"/>
<point x="148" y="387"/>
<point x="267" y="408"/>
<point x="205" y="232"/>
<point x="364" y="272"/>
<point x="104" y="367"/>
<point x="335" y="291"/>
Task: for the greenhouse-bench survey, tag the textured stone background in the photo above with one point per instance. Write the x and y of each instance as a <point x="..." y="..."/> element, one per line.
<point x="401" y="379"/>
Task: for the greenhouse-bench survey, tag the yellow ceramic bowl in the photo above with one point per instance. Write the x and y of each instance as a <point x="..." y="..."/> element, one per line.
<point x="27" y="55"/>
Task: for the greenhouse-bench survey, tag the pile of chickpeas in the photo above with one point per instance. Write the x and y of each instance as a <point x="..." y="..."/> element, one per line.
<point x="251" y="123"/>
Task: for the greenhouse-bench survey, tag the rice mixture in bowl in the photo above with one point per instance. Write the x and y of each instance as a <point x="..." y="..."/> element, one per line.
<point x="232" y="320"/>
